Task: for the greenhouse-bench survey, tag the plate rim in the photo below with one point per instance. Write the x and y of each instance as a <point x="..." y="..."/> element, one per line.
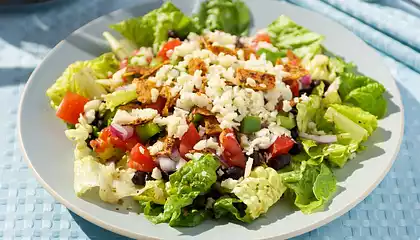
<point x="111" y="227"/>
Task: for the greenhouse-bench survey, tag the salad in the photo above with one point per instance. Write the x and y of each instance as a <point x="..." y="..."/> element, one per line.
<point x="195" y="119"/>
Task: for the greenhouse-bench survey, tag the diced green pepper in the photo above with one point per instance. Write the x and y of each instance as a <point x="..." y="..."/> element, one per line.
<point x="146" y="131"/>
<point x="95" y="131"/>
<point x="250" y="124"/>
<point x="286" y="121"/>
<point x="197" y="118"/>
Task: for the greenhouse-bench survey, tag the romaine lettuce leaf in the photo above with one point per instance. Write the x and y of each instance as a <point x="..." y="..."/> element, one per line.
<point x="286" y="34"/>
<point x="357" y="115"/>
<point x="339" y="154"/>
<point x="307" y="111"/>
<point x="122" y="49"/>
<point x="259" y="191"/>
<point x="315" y="187"/>
<point x="350" y="81"/>
<point x="231" y="16"/>
<point x="117" y="98"/>
<point x="363" y="92"/>
<point x="345" y="125"/>
<point x="270" y="55"/>
<point x="194" y="178"/>
<point x="231" y="207"/>
<point x="369" y="98"/>
<point x="113" y="184"/>
<point x="80" y="78"/>
<point x="153" y="191"/>
<point x="152" y="28"/>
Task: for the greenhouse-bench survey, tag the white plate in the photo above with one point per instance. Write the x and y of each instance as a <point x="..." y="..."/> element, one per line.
<point x="50" y="154"/>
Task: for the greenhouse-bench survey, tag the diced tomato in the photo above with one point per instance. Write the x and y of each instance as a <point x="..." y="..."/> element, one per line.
<point x="170" y="45"/>
<point x="188" y="140"/>
<point x="123" y="63"/>
<point x="294" y="87"/>
<point x="140" y="159"/>
<point x="106" y="140"/>
<point x="262" y="37"/>
<point x="71" y="107"/>
<point x="158" y="105"/>
<point x="232" y="151"/>
<point x="282" y="145"/>
<point x="99" y="145"/>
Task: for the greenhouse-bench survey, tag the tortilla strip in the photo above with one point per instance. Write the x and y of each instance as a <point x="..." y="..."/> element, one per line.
<point x="264" y="81"/>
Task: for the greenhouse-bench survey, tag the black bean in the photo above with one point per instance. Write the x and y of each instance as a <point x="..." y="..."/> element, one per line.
<point x="306" y="91"/>
<point x="326" y="83"/>
<point x="279" y="161"/>
<point x="149" y="177"/>
<point x="214" y="193"/>
<point x="294" y="132"/>
<point x="315" y="83"/>
<point x="165" y="175"/>
<point x="172" y="34"/>
<point x="258" y="158"/>
<point x="234" y="173"/>
<point x="294" y="111"/>
<point x="296" y="149"/>
<point x="139" y="178"/>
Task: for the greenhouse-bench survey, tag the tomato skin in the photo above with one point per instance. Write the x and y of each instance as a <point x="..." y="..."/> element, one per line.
<point x="71" y="107"/>
<point x="188" y="140"/>
<point x="232" y="151"/>
<point x="158" y="105"/>
<point x="262" y="37"/>
<point x="141" y="159"/>
<point x="170" y="45"/>
<point x="282" y="145"/>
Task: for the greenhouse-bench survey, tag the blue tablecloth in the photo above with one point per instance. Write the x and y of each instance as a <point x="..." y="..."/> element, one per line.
<point x="27" y="211"/>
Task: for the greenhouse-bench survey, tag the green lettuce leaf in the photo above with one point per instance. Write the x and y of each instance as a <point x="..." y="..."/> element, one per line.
<point x="369" y="98"/>
<point x="231" y="16"/>
<point x="196" y="177"/>
<point x="350" y="81"/>
<point x="117" y="98"/>
<point x="319" y="90"/>
<point x="331" y="98"/>
<point x="286" y="34"/>
<point x="122" y="49"/>
<point x="357" y="115"/>
<point x="315" y="187"/>
<point x="338" y="154"/>
<point x="345" y="125"/>
<point x="259" y="191"/>
<point x="270" y="55"/>
<point x="152" y="28"/>
<point x="363" y="92"/>
<point x="80" y="78"/>
<point x="231" y="207"/>
<point x="307" y="111"/>
<point x="113" y="183"/>
<point x="153" y="191"/>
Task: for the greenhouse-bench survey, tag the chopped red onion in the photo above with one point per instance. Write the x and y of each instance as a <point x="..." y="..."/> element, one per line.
<point x="319" y="138"/>
<point x="306" y="80"/>
<point x="122" y="132"/>
<point x="166" y="164"/>
<point x="175" y="154"/>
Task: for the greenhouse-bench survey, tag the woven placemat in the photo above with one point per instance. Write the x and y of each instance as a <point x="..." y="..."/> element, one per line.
<point x="27" y="211"/>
